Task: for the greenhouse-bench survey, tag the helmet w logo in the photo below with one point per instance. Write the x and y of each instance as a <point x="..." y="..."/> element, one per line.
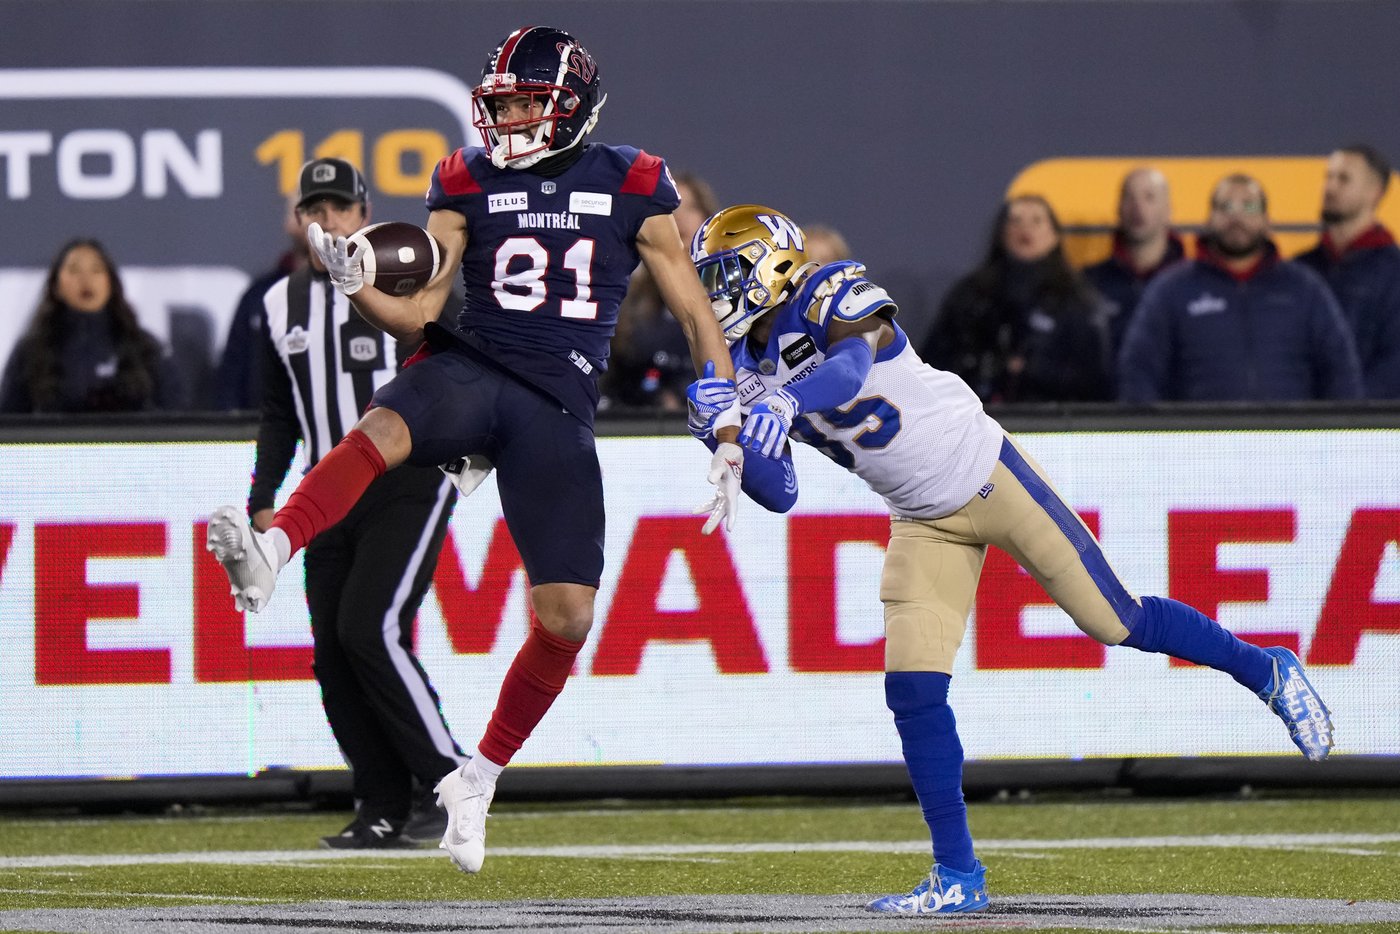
<point x="786" y="234"/>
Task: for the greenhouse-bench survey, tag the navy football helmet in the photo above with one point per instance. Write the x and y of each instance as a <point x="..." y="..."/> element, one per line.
<point x="560" y="80"/>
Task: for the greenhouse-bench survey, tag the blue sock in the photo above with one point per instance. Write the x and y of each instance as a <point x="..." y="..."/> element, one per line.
<point x="1173" y="628"/>
<point x="934" y="757"/>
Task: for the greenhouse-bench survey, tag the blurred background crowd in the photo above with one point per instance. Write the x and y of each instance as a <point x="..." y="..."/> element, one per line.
<point x="1212" y="314"/>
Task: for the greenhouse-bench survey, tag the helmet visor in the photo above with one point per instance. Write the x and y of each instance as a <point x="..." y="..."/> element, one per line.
<point x="723" y="275"/>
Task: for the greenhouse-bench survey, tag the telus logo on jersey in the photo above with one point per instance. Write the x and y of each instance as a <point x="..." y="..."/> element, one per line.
<point x="750" y="387"/>
<point x="507" y="201"/>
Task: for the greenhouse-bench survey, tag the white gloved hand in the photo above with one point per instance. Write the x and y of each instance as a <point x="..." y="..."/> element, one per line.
<point x="346" y="272"/>
<point x="727" y="474"/>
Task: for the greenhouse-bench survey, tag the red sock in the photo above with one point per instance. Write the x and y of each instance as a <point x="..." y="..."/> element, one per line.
<point x="535" y="678"/>
<point x="335" y="484"/>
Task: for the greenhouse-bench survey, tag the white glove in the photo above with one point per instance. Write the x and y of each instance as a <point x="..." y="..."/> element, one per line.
<point x="346" y="272"/>
<point x="766" y="429"/>
<point x="467" y="473"/>
<point x="726" y="473"/>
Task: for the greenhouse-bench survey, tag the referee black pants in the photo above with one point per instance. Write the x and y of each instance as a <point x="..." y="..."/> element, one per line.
<point x="365" y="579"/>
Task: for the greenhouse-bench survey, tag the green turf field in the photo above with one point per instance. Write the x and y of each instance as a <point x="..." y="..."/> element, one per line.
<point x="1344" y="848"/>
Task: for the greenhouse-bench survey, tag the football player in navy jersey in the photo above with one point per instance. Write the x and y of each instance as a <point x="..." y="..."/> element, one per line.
<point x="819" y="357"/>
<point x="546" y="230"/>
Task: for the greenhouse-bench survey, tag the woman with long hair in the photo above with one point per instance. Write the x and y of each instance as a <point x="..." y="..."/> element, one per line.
<point x="84" y="350"/>
<point x="1024" y="326"/>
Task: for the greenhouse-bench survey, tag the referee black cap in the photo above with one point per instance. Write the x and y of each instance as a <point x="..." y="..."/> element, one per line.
<point x="331" y="178"/>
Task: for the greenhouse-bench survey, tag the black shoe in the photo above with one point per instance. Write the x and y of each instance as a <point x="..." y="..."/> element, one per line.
<point x="361" y="834"/>
<point x="426" y="822"/>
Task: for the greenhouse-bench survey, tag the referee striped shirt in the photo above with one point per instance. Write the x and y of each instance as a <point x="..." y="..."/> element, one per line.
<point x="323" y="364"/>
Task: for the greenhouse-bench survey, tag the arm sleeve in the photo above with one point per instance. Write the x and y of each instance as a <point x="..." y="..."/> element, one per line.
<point x="839" y="377"/>
<point x="278" y="431"/>
<point x="770" y="482"/>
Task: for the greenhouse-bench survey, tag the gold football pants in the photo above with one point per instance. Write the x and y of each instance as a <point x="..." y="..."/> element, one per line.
<point x="932" y="566"/>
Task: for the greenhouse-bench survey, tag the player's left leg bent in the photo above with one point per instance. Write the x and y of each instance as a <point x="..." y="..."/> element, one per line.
<point x="927" y="588"/>
<point x="1026" y="516"/>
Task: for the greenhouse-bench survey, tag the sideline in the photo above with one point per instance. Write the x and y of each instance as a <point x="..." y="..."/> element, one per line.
<point x="1271" y="841"/>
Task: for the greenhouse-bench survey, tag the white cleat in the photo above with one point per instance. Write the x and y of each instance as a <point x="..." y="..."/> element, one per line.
<point x="249" y="559"/>
<point x="466" y="796"/>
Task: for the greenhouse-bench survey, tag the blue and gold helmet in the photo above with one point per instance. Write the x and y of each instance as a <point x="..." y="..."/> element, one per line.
<point x="749" y="258"/>
<point x="555" y="71"/>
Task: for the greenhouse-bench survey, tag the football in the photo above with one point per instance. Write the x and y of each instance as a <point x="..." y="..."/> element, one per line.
<point x="399" y="258"/>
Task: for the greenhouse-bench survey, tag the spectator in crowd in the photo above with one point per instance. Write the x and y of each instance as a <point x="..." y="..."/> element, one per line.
<point x="825" y="244"/>
<point x="1143" y="245"/>
<point x="650" y="364"/>
<point x="1024" y="326"/>
<point x="1360" y="261"/>
<point x="84" y="350"/>
<point x="1238" y="323"/>
<point x="239" y="380"/>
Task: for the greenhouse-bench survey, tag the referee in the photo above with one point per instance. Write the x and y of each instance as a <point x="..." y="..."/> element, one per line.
<point x="367" y="575"/>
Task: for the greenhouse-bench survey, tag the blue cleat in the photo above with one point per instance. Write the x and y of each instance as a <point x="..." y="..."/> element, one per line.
<point x="1291" y="695"/>
<point x="943" y="892"/>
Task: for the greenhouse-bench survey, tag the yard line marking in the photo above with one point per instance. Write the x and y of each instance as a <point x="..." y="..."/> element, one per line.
<point x="1268" y="841"/>
<point x="182" y="896"/>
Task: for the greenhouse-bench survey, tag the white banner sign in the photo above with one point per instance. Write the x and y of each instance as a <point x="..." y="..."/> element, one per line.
<point x="122" y="655"/>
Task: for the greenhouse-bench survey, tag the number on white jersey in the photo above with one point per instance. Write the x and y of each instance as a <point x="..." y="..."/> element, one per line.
<point x="875" y="414"/>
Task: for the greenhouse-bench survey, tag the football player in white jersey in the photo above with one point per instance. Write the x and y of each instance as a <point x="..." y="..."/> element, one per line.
<point x="817" y="356"/>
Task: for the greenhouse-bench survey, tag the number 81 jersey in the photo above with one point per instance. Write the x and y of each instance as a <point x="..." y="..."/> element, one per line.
<point x="548" y="259"/>
<point x="916" y="435"/>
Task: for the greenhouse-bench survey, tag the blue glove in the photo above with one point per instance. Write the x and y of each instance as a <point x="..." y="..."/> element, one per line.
<point x="708" y="398"/>
<point x="766" y="429"/>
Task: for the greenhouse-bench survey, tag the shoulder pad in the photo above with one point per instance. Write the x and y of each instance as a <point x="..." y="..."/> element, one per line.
<point x="841" y="291"/>
<point x="452" y="178"/>
<point x="642" y="175"/>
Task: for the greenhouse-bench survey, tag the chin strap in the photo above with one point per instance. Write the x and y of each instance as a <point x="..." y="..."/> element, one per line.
<point x="500" y="153"/>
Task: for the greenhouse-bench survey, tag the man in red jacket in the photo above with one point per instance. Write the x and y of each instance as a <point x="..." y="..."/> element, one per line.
<point x="1238" y="323"/>
<point x="1360" y="261"/>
